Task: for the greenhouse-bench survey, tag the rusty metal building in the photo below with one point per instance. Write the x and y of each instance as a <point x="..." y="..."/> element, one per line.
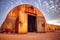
<point x="23" y="19"/>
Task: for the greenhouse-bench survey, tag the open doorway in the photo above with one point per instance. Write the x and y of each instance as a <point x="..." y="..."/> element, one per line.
<point x="32" y="23"/>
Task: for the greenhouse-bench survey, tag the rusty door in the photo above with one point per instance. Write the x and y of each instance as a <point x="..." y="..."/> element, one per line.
<point x="40" y="24"/>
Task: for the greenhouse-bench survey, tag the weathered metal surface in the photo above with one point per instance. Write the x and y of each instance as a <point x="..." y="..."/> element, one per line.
<point x="40" y="24"/>
<point x="21" y="13"/>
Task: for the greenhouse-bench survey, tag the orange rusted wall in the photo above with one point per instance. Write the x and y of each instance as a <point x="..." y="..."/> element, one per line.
<point x="52" y="27"/>
<point x="9" y="23"/>
<point x="22" y="27"/>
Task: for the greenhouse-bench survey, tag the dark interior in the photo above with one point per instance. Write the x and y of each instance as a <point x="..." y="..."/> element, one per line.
<point x="32" y="23"/>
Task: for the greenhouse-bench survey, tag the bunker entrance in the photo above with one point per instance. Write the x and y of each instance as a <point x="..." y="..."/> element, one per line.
<point x="32" y="23"/>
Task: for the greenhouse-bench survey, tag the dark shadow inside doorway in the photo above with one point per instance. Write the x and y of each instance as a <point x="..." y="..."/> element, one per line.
<point x="32" y="23"/>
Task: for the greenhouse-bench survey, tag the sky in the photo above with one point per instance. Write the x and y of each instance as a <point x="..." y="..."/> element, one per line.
<point x="49" y="8"/>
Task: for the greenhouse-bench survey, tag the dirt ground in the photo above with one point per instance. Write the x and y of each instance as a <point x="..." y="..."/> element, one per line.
<point x="31" y="36"/>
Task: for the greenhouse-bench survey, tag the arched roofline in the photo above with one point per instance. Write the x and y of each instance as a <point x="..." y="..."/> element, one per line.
<point x="28" y="5"/>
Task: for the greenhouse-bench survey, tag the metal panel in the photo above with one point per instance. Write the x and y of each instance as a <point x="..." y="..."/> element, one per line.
<point x="40" y="24"/>
<point x="22" y="27"/>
